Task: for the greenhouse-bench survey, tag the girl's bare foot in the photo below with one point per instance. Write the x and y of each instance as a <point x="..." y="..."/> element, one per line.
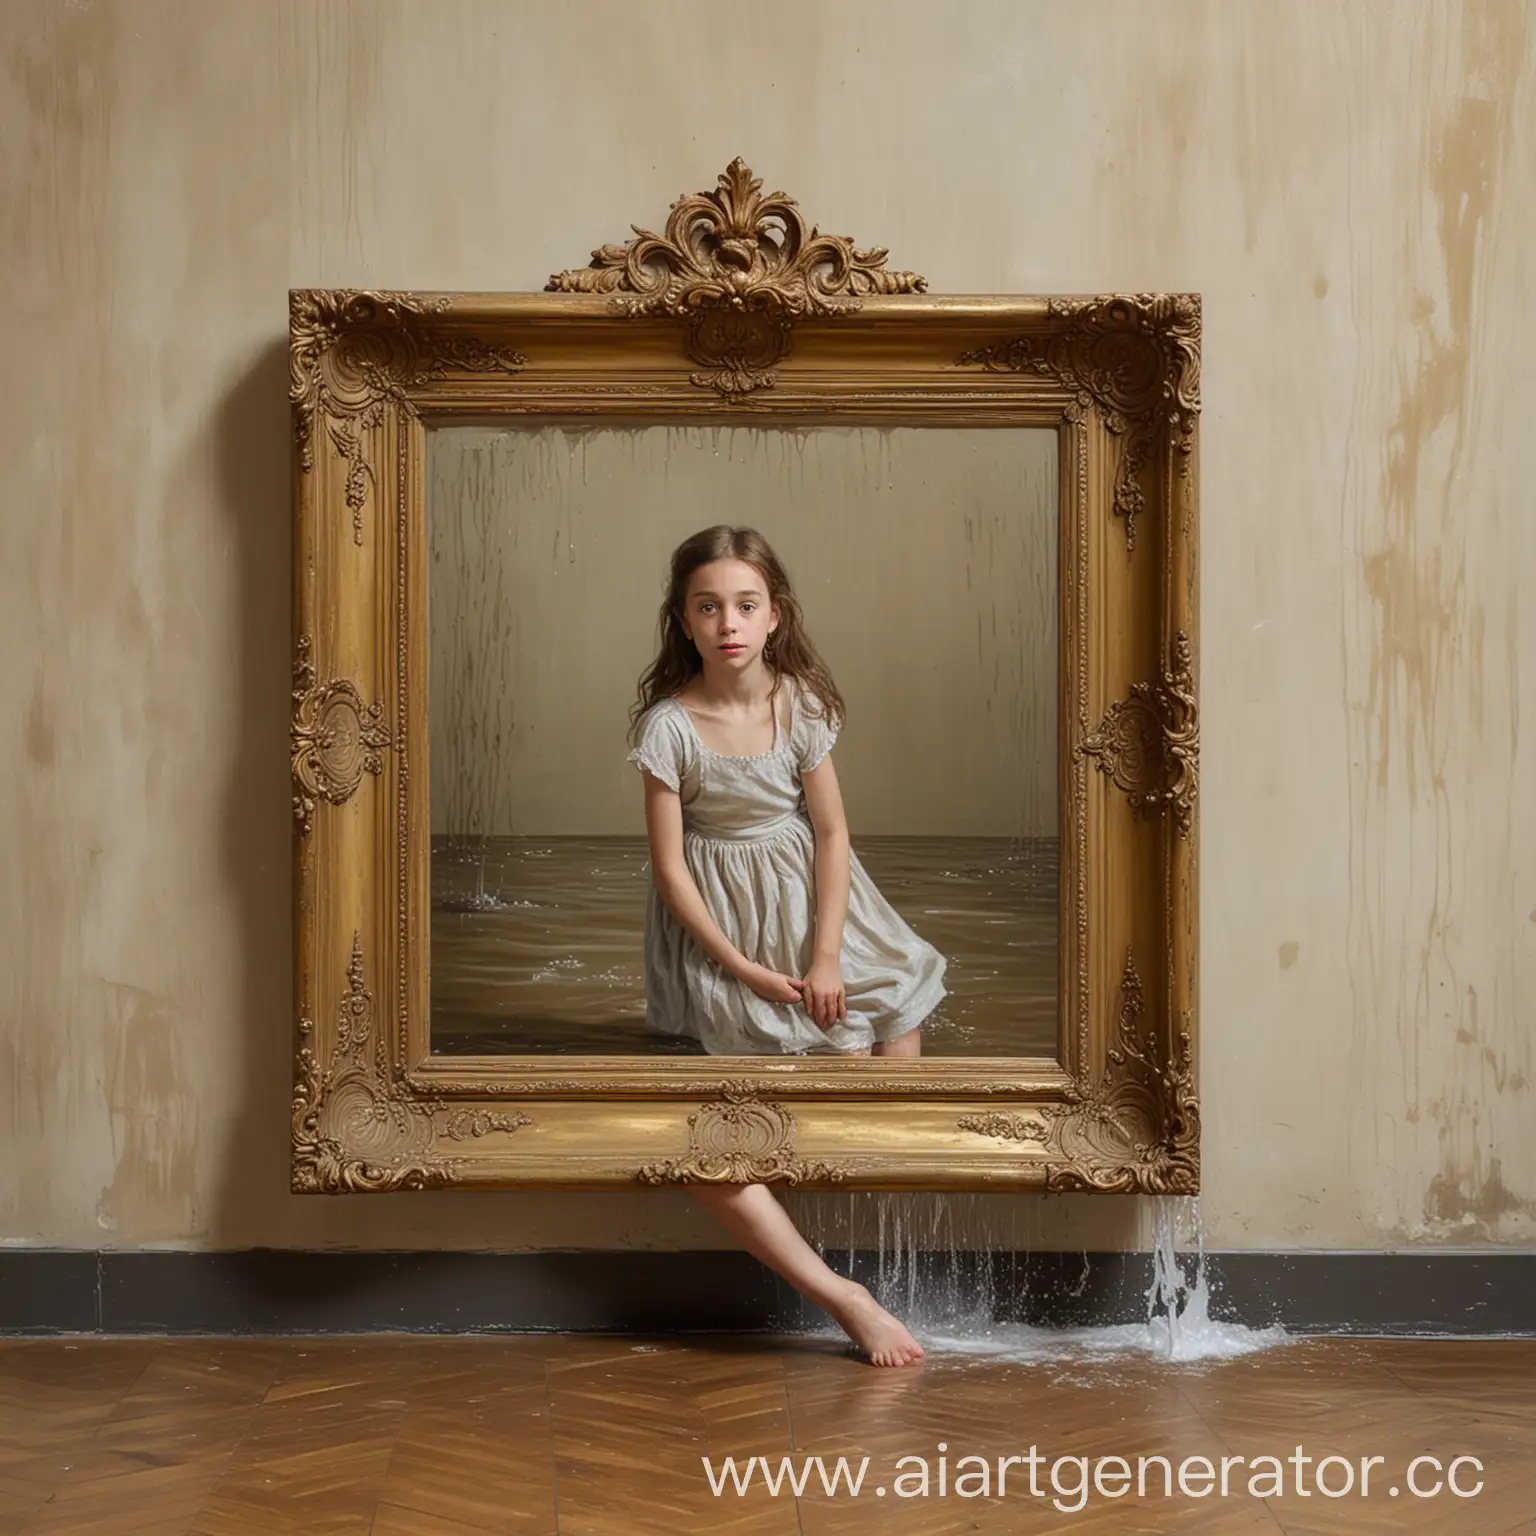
<point x="760" y="1223"/>
<point x="876" y="1333"/>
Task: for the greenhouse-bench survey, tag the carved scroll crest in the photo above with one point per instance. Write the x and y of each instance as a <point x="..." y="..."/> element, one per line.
<point x="1138" y="1130"/>
<point x="335" y="738"/>
<point x="352" y="354"/>
<point x="741" y="268"/>
<point x="1028" y="1127"/>
<point x="1137" y="358"/>
<point x="740" y="1138"/>
<point x="355" y="1128"/>
<point x="1149" y="744"/>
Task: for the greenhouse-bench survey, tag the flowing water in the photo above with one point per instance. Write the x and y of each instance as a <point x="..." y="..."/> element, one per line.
<point x="965" y="1302"/>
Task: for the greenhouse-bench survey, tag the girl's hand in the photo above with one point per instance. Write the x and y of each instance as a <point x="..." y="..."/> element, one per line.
<point x="826" y="1000"/>
<point x="773" y="986"/>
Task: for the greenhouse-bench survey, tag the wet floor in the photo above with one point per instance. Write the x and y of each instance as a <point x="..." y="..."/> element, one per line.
<point x="538" y="943"/>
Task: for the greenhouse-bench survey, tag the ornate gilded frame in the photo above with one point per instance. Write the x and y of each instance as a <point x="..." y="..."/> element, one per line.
<point x="739" y="311"/>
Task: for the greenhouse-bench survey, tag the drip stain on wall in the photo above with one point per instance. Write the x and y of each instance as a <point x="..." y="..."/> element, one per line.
<point x="153" y="1193"/>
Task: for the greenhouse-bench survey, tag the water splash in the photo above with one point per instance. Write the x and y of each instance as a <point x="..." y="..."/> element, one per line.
<point x="959" y="1301"/>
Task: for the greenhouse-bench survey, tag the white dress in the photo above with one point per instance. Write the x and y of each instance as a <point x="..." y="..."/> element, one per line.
<point x="749" y="843"/>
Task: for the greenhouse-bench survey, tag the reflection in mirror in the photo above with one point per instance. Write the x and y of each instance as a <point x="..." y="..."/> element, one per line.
<point x="925" y="564"/>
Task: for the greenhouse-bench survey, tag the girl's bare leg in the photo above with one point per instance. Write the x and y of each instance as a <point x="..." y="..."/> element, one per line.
<point x="762" y="1226"/>
<point x="909" y="1044"/>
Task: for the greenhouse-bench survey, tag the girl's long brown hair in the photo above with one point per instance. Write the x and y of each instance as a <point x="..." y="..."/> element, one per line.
<point x="789" y="653"/>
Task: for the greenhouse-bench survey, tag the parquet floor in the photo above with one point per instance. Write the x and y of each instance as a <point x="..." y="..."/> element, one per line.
<point x="605" y="1436"/>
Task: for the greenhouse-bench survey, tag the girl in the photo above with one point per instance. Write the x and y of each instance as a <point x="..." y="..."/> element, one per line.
<point x="764" y="935"/>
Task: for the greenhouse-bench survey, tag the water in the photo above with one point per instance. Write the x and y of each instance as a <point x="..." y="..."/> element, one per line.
<point x="952" y="1298"/>
<point x="538" y="943"/>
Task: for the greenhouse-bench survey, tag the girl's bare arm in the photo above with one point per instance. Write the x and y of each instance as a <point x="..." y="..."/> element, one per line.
<point x="674" y="880"/>
<point x="824" y="802"/>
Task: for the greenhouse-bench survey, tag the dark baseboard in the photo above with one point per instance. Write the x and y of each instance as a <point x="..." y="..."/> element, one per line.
<point x="267" y="1291"/>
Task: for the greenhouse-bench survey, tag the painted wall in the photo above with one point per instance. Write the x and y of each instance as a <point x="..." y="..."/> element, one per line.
<point x="924" y="563"/>
<point x="1349" y="185"/>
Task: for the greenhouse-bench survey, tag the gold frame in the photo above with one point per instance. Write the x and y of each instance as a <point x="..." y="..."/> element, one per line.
<point x="739" y="311"/>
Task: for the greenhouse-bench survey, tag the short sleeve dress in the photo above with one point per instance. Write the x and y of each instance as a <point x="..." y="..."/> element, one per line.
<point x="750" y="845"/>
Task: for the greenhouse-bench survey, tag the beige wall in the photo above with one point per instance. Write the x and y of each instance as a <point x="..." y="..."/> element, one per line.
<point x="924" y="563"/>
<point x="1350" y="186"/>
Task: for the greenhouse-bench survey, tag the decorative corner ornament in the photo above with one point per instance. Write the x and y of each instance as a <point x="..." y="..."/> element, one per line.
<point x="1138" y="1129"/>
<point x="1137" y="358"/>
<point x="355" y="1128"/>
<point x="740" y="1139"/>
<point x="741" y="268"/>
<point x="352" y="354"/>
<point x="1149" y="744"/>
<point x="334" y="737"/>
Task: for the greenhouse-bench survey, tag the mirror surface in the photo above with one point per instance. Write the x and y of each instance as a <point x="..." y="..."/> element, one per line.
<point x="925" y="563"/>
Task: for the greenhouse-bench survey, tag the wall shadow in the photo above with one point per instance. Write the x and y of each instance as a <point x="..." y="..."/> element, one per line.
<point x="253" y="436"/>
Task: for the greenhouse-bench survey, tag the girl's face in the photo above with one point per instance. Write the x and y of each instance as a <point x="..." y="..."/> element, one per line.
<point x="727" y="614"/>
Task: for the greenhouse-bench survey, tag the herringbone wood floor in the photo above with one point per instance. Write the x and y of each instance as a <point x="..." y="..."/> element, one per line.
<point x="604" y="1436"/>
